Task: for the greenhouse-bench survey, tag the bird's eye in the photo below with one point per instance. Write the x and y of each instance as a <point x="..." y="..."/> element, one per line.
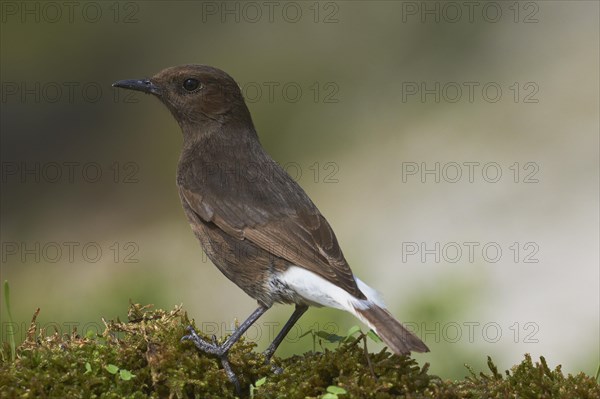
<point x="191" y="84"/>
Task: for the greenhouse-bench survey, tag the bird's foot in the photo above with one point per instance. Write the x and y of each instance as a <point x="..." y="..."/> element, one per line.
<point x="213" y="348"/>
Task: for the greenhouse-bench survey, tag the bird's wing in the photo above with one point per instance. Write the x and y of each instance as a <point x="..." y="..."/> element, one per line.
<point x="282" y="221"/>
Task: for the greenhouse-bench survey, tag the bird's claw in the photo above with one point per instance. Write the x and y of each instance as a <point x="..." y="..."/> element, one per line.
<point x="213" y="348"/>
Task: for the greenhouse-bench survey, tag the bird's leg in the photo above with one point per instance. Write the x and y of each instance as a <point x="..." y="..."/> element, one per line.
<point x="298" y="312"/>
<point x="221" y="351"/>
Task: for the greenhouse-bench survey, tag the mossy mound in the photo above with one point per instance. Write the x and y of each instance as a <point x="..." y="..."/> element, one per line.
<point x="144" y="358"/>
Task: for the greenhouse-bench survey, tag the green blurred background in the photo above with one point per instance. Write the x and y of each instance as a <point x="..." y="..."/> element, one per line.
<point x="349" y="114"/>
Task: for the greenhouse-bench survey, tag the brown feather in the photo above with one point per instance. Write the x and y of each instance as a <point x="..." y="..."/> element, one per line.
<point x="395" y="335"/>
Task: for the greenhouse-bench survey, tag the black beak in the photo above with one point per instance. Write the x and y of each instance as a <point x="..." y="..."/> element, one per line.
<point x="143" y="85"/>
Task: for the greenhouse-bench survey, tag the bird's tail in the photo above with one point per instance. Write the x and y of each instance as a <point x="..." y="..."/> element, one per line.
<point x="395" y="335"/>
<point x="316" y="290"/>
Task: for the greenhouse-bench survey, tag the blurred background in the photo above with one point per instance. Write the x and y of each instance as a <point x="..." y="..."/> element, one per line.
<point x="452" y="146"/>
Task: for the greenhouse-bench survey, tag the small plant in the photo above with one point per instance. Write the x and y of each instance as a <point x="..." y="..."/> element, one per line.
<point x="356" y="329"/>
<point x="125" y="375"/>
<point x="257" y="384"/>
<point x="333" y="391"/>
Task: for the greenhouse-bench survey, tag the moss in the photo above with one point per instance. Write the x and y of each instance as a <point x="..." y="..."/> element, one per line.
<point x="148" y="347"/>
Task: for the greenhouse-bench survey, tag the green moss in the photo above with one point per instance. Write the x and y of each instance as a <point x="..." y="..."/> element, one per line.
<point x="144" y="358"/>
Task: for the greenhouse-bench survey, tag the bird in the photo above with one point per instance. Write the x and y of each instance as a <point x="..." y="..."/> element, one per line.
<point x="253" y="220"/>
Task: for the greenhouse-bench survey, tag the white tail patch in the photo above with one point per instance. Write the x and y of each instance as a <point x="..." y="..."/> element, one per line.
<point x="317" y="291"/>
<point x="371" y="294"/>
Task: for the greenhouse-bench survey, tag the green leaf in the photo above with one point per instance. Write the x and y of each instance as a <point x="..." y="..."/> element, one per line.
<point x="125" y="375"/>
<point x="329" y="336"/>
<point x="88" y="368"/>
<point x="335" y="338"/>
<point x="329" y="396"/>
<point x="90" y="334"/>
<point x="323" y="334"/>
<point x="254" y="387"/>
<point x="111" y="368"/>
<point x="353" y="330"/>
<point x="373" y="335"/>
<point x="336" y="390"/>
<point x="260" y="382"/>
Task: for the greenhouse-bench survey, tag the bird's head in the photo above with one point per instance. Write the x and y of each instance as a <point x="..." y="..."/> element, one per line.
<point x="198" y="96"/>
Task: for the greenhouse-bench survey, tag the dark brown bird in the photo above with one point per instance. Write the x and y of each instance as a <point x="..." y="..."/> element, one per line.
<point x="256" y="224"/>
